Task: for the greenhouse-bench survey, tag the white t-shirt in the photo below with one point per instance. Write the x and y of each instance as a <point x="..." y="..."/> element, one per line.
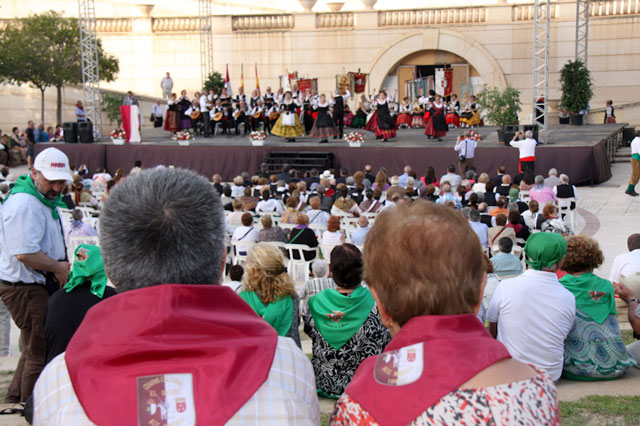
<point x="204" y="104"/>
<point x="527" y="147"/>
<point x="635" y="145"/>
<point x="269" y="206"/>
<point x="624" y="265"/>
<point x="534" y="313"/>
<point x="245" y="234"/>
<point x="332" y="237"/>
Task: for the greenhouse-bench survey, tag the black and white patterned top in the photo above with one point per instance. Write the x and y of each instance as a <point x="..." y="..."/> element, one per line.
<point x="334" y="369"/>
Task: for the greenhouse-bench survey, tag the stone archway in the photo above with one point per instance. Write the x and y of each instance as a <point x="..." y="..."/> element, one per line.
<point x="437" y="39"/>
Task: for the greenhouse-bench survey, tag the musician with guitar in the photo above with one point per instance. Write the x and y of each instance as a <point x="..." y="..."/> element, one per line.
<point x="241" y="115"/>
<point x="218" y="115"/>
<point x="258" y="116"/>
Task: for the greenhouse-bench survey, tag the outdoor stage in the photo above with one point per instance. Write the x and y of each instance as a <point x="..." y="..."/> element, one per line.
<point x="581" y="152"/>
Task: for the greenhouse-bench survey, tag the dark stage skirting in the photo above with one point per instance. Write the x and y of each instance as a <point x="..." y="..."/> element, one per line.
<point x="583" y="164"/>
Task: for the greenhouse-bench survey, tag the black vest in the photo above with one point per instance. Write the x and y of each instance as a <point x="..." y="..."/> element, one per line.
<point x="338" y="107"/>
<point x="565" y="191"/>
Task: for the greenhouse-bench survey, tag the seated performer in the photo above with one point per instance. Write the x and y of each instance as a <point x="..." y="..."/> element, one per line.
<point x="219" y="115"/>
<point x="404" y="117"/>
<point x="323" y="127"/>
<point x="241" y="116"/>
<point x="258" y="116"/>
<point x="470" y="117"/>
<point x="437" y="124"/>
<point x="288" y="124"/>
<point x="453" y="112"/>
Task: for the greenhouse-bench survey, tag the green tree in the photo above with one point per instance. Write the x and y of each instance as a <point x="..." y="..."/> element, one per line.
<point x="576" y="86"/>
<point x="44" y="51"/>
<point x="501" y="107"/>
<point x="214" y="81"/>
<point x="111" y="105"/>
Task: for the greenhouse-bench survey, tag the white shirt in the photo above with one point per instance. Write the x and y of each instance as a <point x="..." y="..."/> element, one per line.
<point x="454" y="179"/>
<point x="156" y="110"/>
<point x="534" y="313"/>
<point x="269" y="206"/>
<point x="27" y="227"/>
<point x="287" y="396"/>
<point x="204" y="104"/>
<point x="527" y="147"/>
<point x="332" y="237"/>
<point x="318" y="218"/>
<point x="624" y="265"/>
<point x="166" y="83"/>
<point x="466" y="147"/>
<point x="359" y="235"/>
<point x="635" y="145"/>
<point x="246" y="234"/>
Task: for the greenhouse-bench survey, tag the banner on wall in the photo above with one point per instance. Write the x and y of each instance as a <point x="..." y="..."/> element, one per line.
<point x="359" y="81"/>
<point x="344" y="82"/>
<point x="307" y="83"/>
<point x="443" y="81"/>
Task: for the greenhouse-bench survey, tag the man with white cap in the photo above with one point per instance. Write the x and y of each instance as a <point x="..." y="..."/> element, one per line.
<point x="33" y="259"/>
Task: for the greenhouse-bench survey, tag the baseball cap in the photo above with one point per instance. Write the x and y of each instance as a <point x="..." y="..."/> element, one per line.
<point x="53" y="164"/>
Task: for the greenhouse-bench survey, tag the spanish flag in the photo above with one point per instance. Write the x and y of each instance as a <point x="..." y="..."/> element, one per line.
<point x="257" y="81"/>
<point x="242" y="76"/>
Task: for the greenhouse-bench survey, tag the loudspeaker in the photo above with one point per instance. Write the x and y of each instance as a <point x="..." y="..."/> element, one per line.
<point x="533" y="128"/>
<point x="70" y="131"/>
<point x="85" y="131"/>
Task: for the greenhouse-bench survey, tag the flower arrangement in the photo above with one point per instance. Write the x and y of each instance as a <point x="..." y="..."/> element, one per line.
<point x="355" y="139"/>
<point x="183" y="135"/>
<point x="257" y="136"/>
<point x="476" y="136"/>
<point x="118" y="134"/>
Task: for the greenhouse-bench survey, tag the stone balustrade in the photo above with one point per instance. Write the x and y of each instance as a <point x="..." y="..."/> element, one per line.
<point x="114" y="25"/>
<point x="525" y="12"/>
<point x="614" y="7"/>
<point x="163" y="25"/>
<point x="463" y="15"/>
<point x="262" y="22"/>
<point x="334" y="20"/>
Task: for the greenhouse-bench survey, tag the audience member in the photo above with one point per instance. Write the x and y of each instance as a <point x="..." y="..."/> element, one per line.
<point x="166" y="226"/>
<point x="268" y="204"/>
<point x="564" y="190"/>
<point x="345" y="204"/>
<point x="235" y="275"/>
<point x="501" y="230"/>
<point x="269" y="232"/>
<point x="532" y="217"/>
<point x="627" y="264"/>
<point x="359" y="235"/>
<point x="451" y="176"/>
<point x="541" y="193"/>
<point x="516" y="222"/>
<point x="533" y="313"/>
<point x="317" y="217"/>
<point x="268" y="289"/>
<point x="371" y="203"/>
<point x="439" y="348"/>
<point x="447" y="196"/>
<point x="343" y="324"/>
<point x="235" y="218"/>
<point x="245" y="235"/>
<point x="248" y="202"/>
<point x="78" y="227"/>
<point x="333" y="235"/>
<point x="290" y="215"/>
<point x="481" y="230"/>
<point x="587" y="357"/>
<point x="302" y="234"/>
<point x="505" y="263"/>
<point x="552" y="180"/>
<point x="552" y="222"/>
<point x="501" y="207"/>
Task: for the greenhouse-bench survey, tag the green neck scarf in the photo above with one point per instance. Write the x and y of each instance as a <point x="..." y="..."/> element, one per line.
<point x="594" y="295"/>
<point x="88" y="265"/>
<point x="545" y="249"/>
<point x="337" y="316"/>
<point x="25" y="185"/>
<point x="279" y="313"/>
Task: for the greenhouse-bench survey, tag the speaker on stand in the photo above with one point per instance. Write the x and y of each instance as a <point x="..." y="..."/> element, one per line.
<point x="85" y="131"/>
<point x="70" y="132"/>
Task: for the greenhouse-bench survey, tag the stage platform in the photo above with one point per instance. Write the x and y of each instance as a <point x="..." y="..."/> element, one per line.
<point x="582" y="152"/>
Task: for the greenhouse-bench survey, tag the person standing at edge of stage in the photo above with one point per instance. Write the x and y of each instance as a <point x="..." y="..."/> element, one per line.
<point x="338" y="104"/>
<point x="527" y="148"/>
<point x="635" y="166"/>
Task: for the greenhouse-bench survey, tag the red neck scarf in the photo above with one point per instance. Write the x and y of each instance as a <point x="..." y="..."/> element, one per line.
<point x="395" y="387"/>
<point x="134" y="347"/>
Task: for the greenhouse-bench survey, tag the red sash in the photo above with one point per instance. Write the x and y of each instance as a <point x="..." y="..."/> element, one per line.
<point x="395" y="387"/>
<point x="132" y="347"/>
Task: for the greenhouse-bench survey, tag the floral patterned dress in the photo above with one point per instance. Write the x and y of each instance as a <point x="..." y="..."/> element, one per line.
<point x="527" y="402"/>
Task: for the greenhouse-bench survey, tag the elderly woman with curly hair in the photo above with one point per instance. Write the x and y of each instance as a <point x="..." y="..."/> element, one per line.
<point x="268" y="289"/>
<point x="441" y="365"/>
<point x="343" y="324"/>
<point x="594" y="349"/>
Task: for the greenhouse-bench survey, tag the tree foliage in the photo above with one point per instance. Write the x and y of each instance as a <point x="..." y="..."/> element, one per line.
<point x="111" y="105"/>
<point x="501" y="107"/>
<point x="214" y="81"/>
<point x="43" y="50"/>
<point x="577" y="88"/>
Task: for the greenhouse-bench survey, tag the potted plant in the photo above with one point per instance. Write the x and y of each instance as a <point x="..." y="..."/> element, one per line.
<point x="500" y="108"/>
<point x="257" y="138"/>
<point x="355" y="139"/>
<point x="577" y="90"/>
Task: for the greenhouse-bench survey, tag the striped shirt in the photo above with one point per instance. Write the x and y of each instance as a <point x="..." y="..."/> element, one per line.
<point x="312" y="287"/>
<point x="288" y="396"/>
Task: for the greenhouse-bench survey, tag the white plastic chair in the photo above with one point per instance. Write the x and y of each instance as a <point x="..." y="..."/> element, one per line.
<point x="298" y="250"/>
<point x="239" y="251"/>
<point x="74" y="242"/>
<point x="564" y="207"/>
<point x="326" y="251"/>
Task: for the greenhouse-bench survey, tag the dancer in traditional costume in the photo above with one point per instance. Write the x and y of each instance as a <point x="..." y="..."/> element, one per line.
<point x="470" y="117"/>
<point x="337" y="106"/>
<point x="360" y="118"/>
<point x="385" y="124"/>
<point x="426" y="101"/>
<point x="185" y="110"/>
<point x="348" y="116"/>
<point x="437" y="125"/>
<point x="417" y="111"/>
<point x="307" y="111"/>
<point x="288" y="125"/>
<point x="404" y="117"/>
<point x="453" y="112"/>
<point x="172" y="123"/>
<point x="323" y="127"/>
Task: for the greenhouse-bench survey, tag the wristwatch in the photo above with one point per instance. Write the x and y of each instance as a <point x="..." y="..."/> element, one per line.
<point x="633" y="299"/>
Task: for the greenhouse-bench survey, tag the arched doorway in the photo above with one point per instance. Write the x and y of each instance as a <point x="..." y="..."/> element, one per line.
<point x="435" y="47"/>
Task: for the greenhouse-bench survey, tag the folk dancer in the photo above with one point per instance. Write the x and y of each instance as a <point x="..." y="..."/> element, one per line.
<point x="609" y="114"/>
<point x="288" y="125"/>
<point x="453" y="112"/>
<point x="404" y="110"/>
<point x="385" y="124"/>
<point x="338" y="103"/>
<point x="437" y="124"/>
<point x="361" y="113"/>
<point x="324" y="126"/>
<point x="172" y="121"/>
<point x="470" y="117"/>
<point x="307" y="111"/>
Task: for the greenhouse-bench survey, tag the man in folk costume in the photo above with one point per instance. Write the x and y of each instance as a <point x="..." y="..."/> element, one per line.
<point x="258" y="115"/>
<point x="219" y="115"/>
<point x="635" y="166"/>
<point x="307" y="110"/>
<point x="339" y="101"/>
<point x="240" y="116"/>
<point x="226" y="364"/>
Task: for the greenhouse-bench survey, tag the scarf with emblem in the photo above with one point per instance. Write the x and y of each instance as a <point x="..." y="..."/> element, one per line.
<point x="594" y="295"/>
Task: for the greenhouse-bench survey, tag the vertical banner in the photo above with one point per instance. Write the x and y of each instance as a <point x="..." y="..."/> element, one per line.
<point x="242" y="76"/>
<point x="227" y="82"/>
<point x="257" y="81"/>
<point x="443" y="81"/>
<point x="359" y="81"/>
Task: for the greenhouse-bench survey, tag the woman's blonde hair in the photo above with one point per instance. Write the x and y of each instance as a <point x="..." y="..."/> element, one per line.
<point x="266" y="274"/>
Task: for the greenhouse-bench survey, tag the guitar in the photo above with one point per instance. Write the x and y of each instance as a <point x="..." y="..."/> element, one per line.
<point x="257" y="115"/>
<point x="237" y="113"/>
<point x="195" y="115"/>
<point x="418" y="110"/>
<point x="274" y="115"/>
<point x="217" y="116"/>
